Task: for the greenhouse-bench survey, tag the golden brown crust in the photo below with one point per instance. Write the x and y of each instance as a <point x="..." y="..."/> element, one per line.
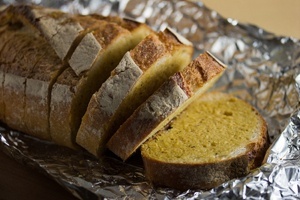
<point x="257" y="152"/>
<point x="148" y="51"/>
<point x="202" y="69"/>
<point x="185" y="176"/>
<point x="169" y="39"/>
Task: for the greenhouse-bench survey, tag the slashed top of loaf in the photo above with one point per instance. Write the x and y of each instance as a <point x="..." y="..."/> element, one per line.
<point x="214" y="127"/>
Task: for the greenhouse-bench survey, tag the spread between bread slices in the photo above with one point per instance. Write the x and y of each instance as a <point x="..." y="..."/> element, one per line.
<point x="98" y="83"/>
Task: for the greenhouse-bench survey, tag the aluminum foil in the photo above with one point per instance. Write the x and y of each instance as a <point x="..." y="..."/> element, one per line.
<point x="263" y="69"/>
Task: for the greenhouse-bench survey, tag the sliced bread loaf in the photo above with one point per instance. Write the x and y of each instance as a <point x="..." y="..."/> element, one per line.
<point x="218" y="137"/>
<point x="138" y="75"/>
<point x="168" y="101"/>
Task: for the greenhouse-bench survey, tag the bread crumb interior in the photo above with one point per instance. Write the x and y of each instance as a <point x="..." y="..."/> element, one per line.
<point x="210" y="129"/>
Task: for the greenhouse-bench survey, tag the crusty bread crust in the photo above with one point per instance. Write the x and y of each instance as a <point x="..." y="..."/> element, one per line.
<point x="168" y="100"/>
<point x="137" y="29"/>
<point x="183" y="176"/>
<point x="206" y="175"/>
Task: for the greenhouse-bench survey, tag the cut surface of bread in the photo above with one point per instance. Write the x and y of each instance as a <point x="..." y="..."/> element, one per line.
<point x="94" y="58"/>
<point x="139" y="74"/>
<point x="168" y="101"/>
<point x="218" y="137"/>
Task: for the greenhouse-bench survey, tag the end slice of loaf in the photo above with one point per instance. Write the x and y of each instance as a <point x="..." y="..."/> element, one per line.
<point x="138" y="75"/>
<point x="218" y="137"/>
<point x="168" y="101"/>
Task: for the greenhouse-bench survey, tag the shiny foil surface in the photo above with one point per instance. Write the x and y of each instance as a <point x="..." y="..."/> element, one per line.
<point x="263" y="69"/>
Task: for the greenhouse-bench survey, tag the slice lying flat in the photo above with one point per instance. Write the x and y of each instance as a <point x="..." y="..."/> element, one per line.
<point x="168" y="101"/>
<point x="218" y="137"/>
<point x="138" y="75"/>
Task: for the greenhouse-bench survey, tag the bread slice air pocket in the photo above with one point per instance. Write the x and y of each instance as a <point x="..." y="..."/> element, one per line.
<point x="140" y="72"/>
<point x="169" y="100"/>
<point x="218" y="137"/>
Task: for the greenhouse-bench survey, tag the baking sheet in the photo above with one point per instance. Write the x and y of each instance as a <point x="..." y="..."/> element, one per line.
<point x="263" y="69"/>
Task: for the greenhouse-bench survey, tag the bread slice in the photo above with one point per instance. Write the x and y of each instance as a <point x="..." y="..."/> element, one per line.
<point x="168" y="101"/>
<point x="94" y="58"/>
<point x="139" y="74"/>
<point x="218" y="137"/>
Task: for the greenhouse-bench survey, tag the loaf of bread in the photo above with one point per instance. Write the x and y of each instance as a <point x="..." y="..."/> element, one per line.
<point x="169" y="100"/>
<point x="110" y="82"/>
<point x="139" y="74"/>
<point x="218" y="137"/>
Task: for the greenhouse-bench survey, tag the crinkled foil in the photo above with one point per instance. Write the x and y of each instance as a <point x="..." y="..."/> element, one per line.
<point x="262" y="69"/>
